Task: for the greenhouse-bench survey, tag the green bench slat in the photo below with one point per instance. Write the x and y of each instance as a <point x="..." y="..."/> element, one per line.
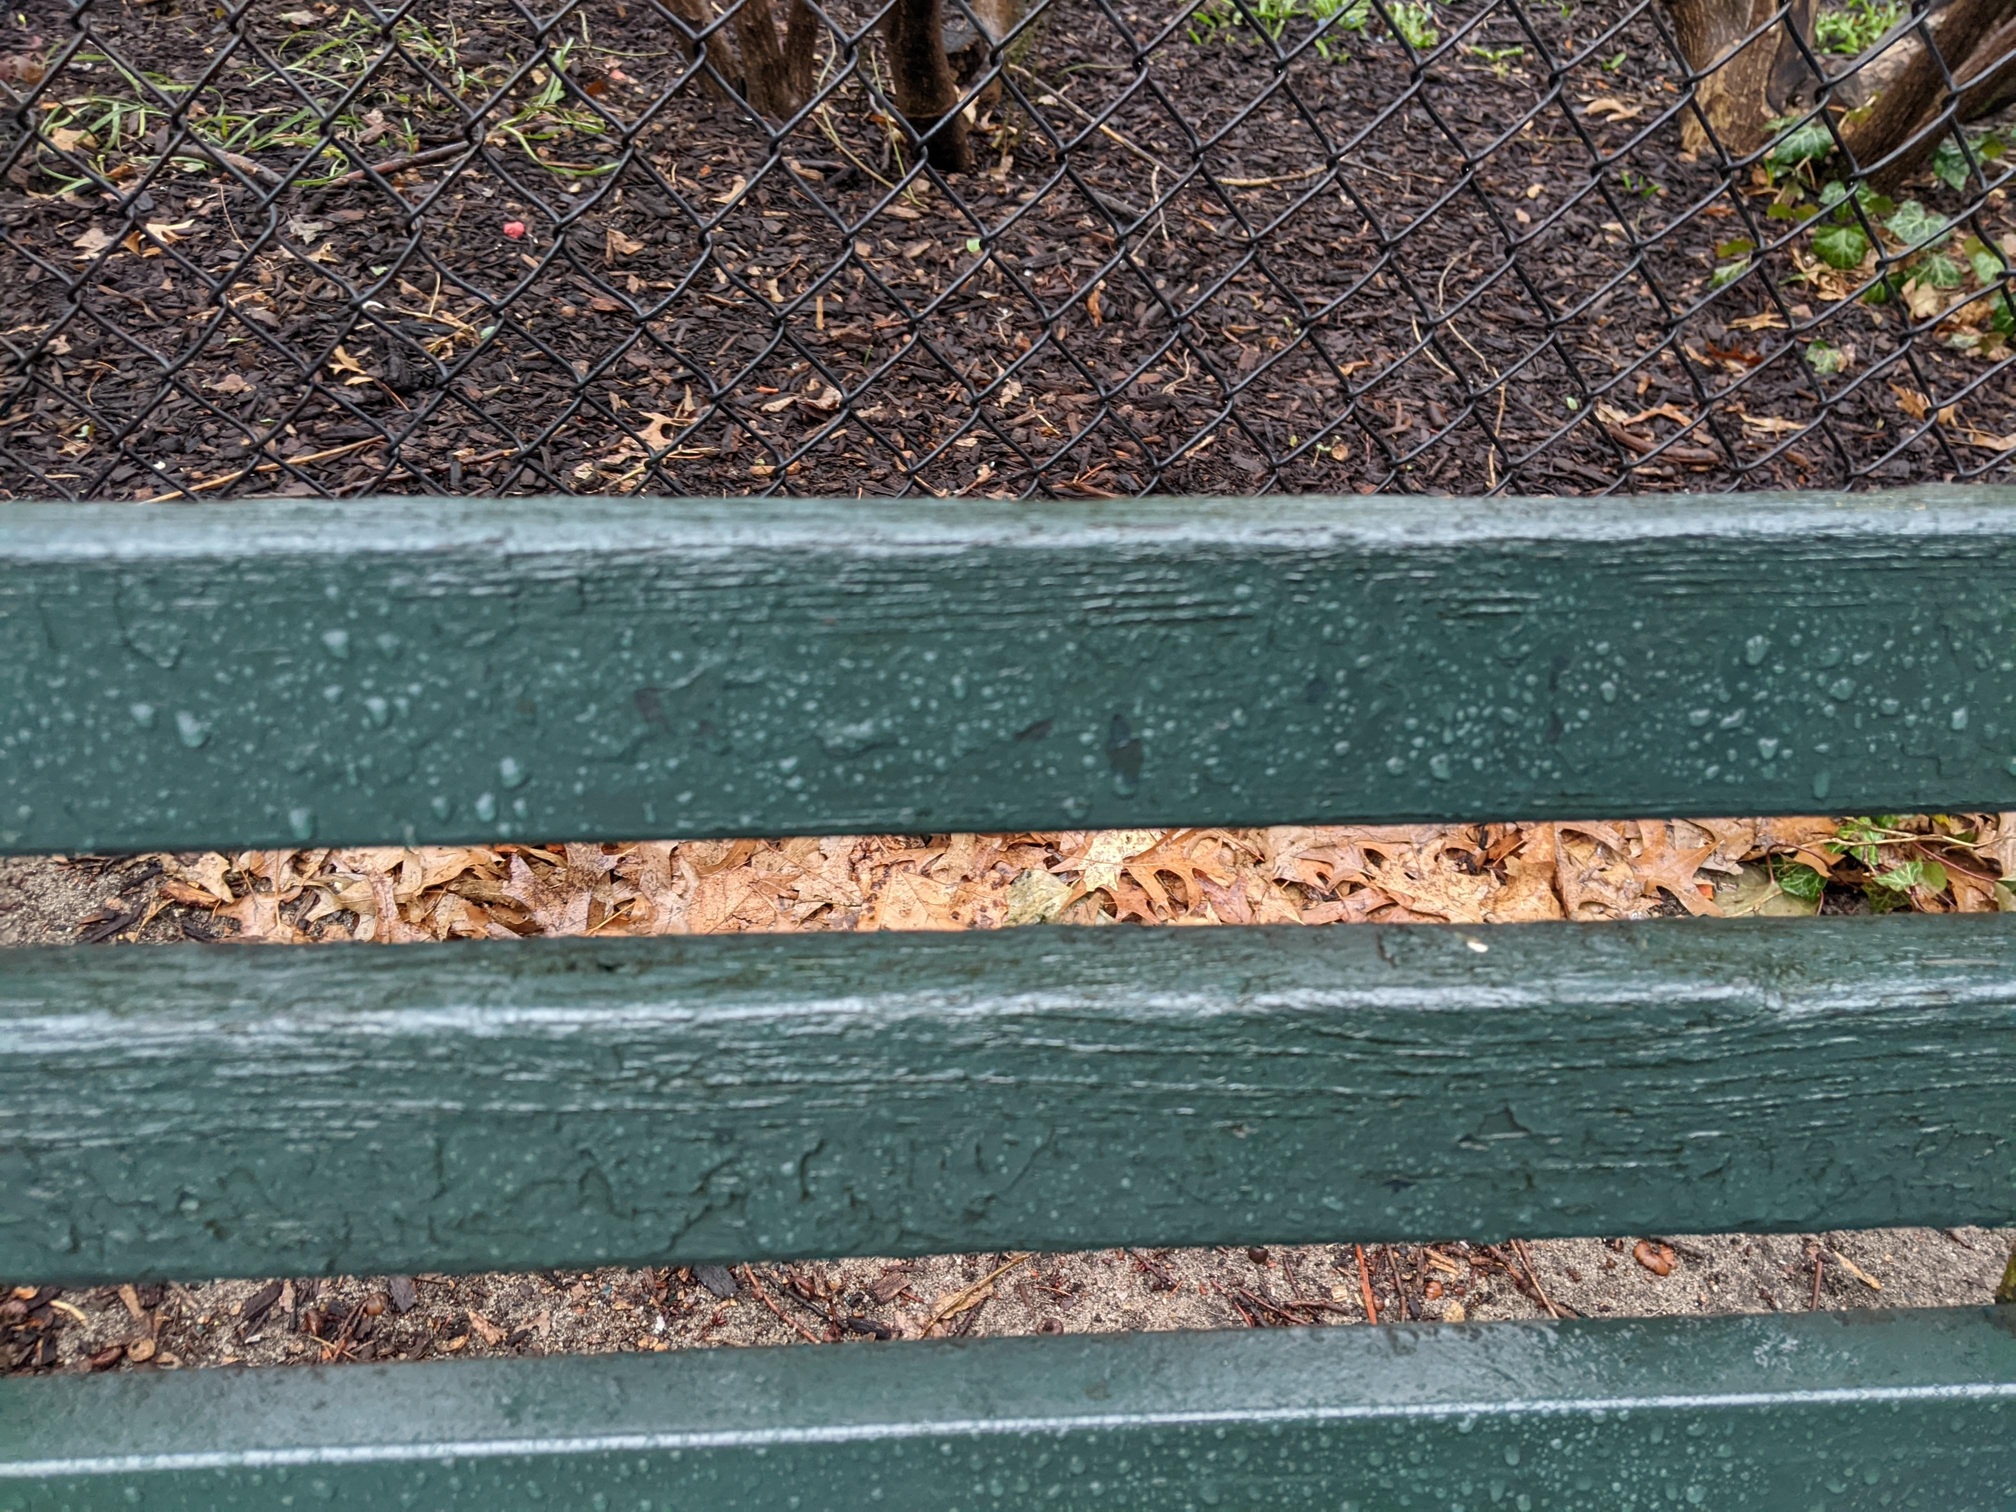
<point x="191" y="1112"/>
<point x="1799" y="1413"/>
<point x="275" y="672"/>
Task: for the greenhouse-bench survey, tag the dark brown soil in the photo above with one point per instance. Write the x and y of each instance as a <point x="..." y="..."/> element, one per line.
<point x="1187" y="267"/>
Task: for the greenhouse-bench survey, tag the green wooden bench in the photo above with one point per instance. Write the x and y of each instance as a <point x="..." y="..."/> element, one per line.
<point x="411" y="671"/>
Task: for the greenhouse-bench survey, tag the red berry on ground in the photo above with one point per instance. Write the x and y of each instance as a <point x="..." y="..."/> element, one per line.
<point x="514" y="229"/>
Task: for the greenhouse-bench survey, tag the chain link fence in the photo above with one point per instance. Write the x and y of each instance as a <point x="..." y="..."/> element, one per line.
<point x="1080" y="247"/>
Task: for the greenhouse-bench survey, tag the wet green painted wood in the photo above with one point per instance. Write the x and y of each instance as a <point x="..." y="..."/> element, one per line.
<point x="1804" y="1413"/>
<point x="191" y="1112"/>
<point x="274" y="672"/>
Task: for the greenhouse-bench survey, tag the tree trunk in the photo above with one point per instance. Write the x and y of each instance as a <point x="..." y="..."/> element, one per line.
<point x="1747" y="68"/>
<point x="972" y="50"/>
<point x="776" y="76"/>
<point x="926" y="91"/>
<point x="773" y="79"/>
<point x="698" y="16"/>
<point x="1969" y="49"/>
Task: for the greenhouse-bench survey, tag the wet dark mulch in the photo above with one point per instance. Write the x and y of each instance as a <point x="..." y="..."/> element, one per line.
<point x="1184" y="267"/>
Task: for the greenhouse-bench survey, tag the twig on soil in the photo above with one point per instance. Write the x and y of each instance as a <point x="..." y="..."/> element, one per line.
<point x="840" y="147"/>
<point x="395" y="165"/>
<point x="962" y="1298"/>
<point x="1400" y="1302"/>
<point x="1526" y="1259"/>
<point x="1266" y="183"/>
<point x="749" y="1275"/>
<point x="1856" y="1271"/>
<point x="1365" y="1285"/>
<point x="1261" y="1302"/>
<point x="271" y="466"/>
<point x="1819" y="1270"/>
<point x="259" y="173"/>
<point x="1139" y="151"/>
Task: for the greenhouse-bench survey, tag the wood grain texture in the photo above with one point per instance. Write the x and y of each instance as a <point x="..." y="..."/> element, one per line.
<point x="354" y="1109"/>
<point x="1822" y="1412"/>
<point x="274" y="672"/>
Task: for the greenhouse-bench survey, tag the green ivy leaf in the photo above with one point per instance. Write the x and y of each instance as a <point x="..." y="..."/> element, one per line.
<point x="1949" y="164"/>
<point x="1798" y="879"/>
<point x="1802" y="144"/>
<point x="1914" y="225"/>
<point x="1840" y="246"/>
<point x="1909" y="874"/>
<point x="1939" y="271"/>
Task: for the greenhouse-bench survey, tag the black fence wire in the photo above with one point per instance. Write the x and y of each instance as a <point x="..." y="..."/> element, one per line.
<point x="1082" y="247"/>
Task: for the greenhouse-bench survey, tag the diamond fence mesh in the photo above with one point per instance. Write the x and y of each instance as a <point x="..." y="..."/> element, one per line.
<point x="1077" y="247"/>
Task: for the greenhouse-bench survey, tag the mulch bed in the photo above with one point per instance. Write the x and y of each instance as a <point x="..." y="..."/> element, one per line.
<point x="1185" y="267"/>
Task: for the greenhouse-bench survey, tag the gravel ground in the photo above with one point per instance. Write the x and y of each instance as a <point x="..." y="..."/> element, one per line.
<point x="303" y="1320"/>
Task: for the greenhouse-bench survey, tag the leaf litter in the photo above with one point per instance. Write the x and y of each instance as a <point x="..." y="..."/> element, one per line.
<point x="1296" y="874"/>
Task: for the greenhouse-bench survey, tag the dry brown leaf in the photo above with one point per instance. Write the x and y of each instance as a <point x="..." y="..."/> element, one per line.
<point x="1592" y="870"/>
<point x="1036" y="897"/>
<point x="1098" y="863"/>
<point x="258" y="918"/>
<point x="388" y="926"/>
<point x="1436" y="877"/>
<point x="1728" y="840"/>
<point x="908" y="901"/>
<point x="1998" y="842"/>
<point x="1806" y="837"/>
<point x="1675" y="872"/>
<point x="177" y="891"/>
<point x="205" y="874"/>
<point x="662" y="887"/>
<point x="1656" y="1258"/>
<point x="731" y="901"/>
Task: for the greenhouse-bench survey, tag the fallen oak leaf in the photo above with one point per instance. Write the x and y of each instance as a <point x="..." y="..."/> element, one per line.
<point x="1674" y="872"/>
<point x="348" y="368"/>
<point x="259" y="919"/>
<point x="206" y="874"/>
